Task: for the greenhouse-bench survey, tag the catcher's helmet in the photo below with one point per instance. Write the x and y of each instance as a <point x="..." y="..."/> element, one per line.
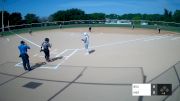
<point x="46" y="39"/>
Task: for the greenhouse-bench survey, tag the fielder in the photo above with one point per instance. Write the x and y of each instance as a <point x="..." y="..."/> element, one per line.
<point x="60" y="26"/>
<point x="86" y="42"/>
<point x="30" y="31"/>
<point x="132" y="25"/>
<point x="89" y="28"/>
<point x="159" y="29"/>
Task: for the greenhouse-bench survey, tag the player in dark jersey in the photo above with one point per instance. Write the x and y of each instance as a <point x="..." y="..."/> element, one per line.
<point x="45" y="47"/>
<point x="159" y="29"/>
<point x="89" y="28"/>
<point x="132" y="25"/>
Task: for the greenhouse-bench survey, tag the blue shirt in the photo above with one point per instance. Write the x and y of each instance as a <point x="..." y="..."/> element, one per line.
<point x="23" y="49"/>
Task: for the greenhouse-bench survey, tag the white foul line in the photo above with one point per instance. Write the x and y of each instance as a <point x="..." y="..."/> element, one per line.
<point x="61" y="53"/>
<point x="134" y="40"/>
<point x="29" y="41"/>
<point x="175" y="38"/>
<point x="67" y="57"/>
<point x="120" y="42"/>
<point x="157" y="38"/>
<point x="47" y="67"/>
<point x="59" y="64"/>
<point x="18" y="64"/>
<point x="71" y="54"/>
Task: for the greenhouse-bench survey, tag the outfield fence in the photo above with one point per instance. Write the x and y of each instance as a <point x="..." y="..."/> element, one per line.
<point x="169" y="26"/>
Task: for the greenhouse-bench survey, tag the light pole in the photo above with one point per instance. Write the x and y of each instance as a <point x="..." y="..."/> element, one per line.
<point x="3" y="1"/>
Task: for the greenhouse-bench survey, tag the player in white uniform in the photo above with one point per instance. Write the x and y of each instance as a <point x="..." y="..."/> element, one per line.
<point x="86" y="42"/>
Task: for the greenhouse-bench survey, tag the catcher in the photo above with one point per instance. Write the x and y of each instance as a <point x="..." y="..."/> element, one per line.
<point x="45" y="47"/>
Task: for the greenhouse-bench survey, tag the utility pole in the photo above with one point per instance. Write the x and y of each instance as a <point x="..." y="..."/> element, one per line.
<point x="3" y="1"/>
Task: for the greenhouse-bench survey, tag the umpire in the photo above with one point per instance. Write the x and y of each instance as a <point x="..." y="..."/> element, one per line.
<point x="23" y="47"/>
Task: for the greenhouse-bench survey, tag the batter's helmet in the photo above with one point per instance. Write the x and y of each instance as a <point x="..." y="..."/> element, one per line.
<point x="46" y="39"/>
<point x="22" y="42"/>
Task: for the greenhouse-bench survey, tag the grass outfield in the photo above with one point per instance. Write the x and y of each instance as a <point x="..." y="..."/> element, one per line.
<point x="25" y="30"/>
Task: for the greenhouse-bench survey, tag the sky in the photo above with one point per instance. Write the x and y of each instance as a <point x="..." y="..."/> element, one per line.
<point x="44" y="8"/>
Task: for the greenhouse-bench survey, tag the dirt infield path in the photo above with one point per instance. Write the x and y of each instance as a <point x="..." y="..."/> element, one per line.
<point x="120" y="57"/>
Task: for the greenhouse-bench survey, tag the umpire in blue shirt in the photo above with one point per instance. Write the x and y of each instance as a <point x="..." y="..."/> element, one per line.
<point x="23" y="54"/>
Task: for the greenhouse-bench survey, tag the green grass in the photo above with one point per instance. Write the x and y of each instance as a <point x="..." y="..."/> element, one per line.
<point x="34" y="29"/>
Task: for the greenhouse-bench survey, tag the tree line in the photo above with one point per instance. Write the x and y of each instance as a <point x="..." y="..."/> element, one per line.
<point x="77" y="14"/>
<point x="168" y="16"/>
<point x="16" y="18"/>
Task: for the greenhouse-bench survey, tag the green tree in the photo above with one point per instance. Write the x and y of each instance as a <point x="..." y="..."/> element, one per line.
<point x="176" y="16"/>
<point x="15" y="18"/>
<point x="154" y="17"/>
<point x="167" y="15"/>
<point x="97" y="16"/>
<point x="31" y="18"/>
<point x="137" y="17"/>
<point x="70" y="14"/>
<point x="127" y="16"/>
<point x="112" y="16"/>
<point x="58" y="16"/>
<point x="75" y="14"/>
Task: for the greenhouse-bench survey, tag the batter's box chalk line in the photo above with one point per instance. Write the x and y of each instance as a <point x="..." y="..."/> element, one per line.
<point x="57" y="57"/>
